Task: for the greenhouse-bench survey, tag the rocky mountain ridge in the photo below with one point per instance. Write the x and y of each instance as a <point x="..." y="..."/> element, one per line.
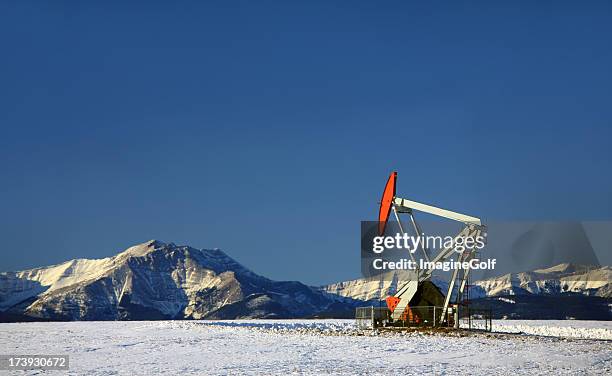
<point x="155" y="280"/>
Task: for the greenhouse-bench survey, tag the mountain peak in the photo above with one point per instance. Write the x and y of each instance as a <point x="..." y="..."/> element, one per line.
<point x="143" y="248"/>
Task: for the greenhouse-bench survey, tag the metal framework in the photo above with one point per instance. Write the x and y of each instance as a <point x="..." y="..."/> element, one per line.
<point x="473" y="227"/>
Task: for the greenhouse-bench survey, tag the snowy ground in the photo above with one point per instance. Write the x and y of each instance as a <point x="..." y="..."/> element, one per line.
<point x="309" y="347"/>
<point x="557" y="328"/>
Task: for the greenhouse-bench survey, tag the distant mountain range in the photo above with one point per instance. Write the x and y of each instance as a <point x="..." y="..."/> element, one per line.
<point x="560" y="292"/>
<point x="561" y="279"/>
<point x="155" y="280"/>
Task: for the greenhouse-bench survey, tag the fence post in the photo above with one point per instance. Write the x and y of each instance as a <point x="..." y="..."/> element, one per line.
<point x="373" y="320"/>
<point x="456" y="316"/>
<point x="434" y="316"/>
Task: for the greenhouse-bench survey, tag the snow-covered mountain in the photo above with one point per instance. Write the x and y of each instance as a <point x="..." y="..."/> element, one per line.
<point x="155" y="280"/>
<point x="563" y="278"/>
<point x="559" y="279"/>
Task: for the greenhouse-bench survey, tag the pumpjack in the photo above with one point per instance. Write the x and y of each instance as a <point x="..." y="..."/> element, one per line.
<point x="399" y="304"/>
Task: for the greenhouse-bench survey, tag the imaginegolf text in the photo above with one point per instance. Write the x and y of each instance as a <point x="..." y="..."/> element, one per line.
<point x="405" y="264"/>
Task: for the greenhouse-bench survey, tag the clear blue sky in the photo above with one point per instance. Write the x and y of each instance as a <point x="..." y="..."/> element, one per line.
<point x="268" y="129"/>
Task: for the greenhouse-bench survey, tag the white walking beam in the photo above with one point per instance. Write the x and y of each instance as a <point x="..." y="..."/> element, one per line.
<point x="407" y="204"/>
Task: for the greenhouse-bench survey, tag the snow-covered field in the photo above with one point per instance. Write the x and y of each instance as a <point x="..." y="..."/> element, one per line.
<point x="557" y="328"/>
<point x="310" y="347"/>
